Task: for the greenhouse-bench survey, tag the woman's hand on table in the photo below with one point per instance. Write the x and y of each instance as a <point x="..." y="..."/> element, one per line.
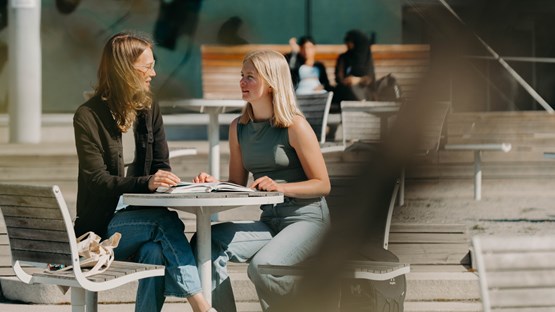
<point x="204" y="177"/>
<point x="162" y="178"/>
<point x="266" y="184"/>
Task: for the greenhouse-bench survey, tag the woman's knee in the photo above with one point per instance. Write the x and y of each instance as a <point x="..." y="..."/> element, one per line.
<point x="171" y="222"/>
<point x="253" y="270"/>
<point x="253" y="273"/>
<point x="223" y="232"/>
<point x="151" y="253"/>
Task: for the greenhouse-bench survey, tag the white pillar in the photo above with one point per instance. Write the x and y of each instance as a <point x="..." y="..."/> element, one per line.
<point x="25" y="72"/>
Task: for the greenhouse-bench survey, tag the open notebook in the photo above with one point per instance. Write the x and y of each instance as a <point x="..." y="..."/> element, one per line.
<point x="190" y="187"/>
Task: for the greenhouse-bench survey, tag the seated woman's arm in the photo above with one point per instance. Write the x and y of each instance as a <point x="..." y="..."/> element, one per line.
<point x="303" y="139"/>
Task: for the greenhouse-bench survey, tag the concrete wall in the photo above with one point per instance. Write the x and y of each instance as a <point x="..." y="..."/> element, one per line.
<point x="72" y="42"/>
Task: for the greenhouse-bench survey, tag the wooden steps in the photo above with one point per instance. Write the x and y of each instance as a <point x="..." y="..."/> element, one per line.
<point x="525" y="161"/>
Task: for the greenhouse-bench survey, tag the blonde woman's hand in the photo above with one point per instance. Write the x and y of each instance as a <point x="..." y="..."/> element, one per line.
<point x="204" y="177"/>
<point x="266" y="184"/>
<point x="162" y="178"/>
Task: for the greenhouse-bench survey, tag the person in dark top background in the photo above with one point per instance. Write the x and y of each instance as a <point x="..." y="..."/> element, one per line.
<point x="354" y="71"/>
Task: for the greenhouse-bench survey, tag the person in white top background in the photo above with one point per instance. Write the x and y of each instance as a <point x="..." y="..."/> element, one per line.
<point x="309" y="75"/>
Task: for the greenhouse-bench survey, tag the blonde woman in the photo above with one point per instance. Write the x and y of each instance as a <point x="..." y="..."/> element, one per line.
<point x="122" y="111"/>
<point x="273" y="141"/>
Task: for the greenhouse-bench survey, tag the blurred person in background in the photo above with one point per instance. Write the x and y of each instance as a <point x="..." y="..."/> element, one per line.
<point x="354" y="71"/>
<point x="309" y="76"/>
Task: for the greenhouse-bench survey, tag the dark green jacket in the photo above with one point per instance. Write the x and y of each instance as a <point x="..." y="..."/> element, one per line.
<point x="101" y="177"/>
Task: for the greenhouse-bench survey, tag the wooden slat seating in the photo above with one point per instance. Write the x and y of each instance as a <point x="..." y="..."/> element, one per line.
<point x="40" y="232"/>
<point x="517" y="273"/>
<point x="430" y="244"/>
<point x="5" y="261"/>
<point x="316" y="108"/>
<point x="221" y="65"/>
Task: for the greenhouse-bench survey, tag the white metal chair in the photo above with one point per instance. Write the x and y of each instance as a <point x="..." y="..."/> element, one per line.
<point x="40" y="232"/>
<point x="316" y="108"/>
<point x="517" y="273"/>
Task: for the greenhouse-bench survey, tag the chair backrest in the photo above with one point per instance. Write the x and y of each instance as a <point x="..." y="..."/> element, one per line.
<point x="433" y="128"/>
<point x="37" y="222"/>
<point x="316" y="108"/>
<point x="360" y="120"/>
<point x="516" y="272"/>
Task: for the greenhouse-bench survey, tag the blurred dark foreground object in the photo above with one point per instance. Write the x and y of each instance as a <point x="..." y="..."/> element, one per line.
<point x="67" y="6"/>
<point x="357" y="229"/>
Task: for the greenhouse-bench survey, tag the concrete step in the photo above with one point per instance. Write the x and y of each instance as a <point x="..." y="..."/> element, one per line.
<point x="448" y="306"/>
<point x="116" y="307"/>
<point x="423" y="284"/>
<point x="15" y="290"/>
<point x="424" y="306"/>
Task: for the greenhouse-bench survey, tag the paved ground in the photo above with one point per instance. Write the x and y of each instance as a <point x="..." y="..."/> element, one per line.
<point x="508" y="206"/>
<point x="168" y="307"/>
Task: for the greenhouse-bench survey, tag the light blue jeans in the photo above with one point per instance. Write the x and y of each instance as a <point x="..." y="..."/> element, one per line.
<point x="156" y="236"/>
<point x="286" y="234"/>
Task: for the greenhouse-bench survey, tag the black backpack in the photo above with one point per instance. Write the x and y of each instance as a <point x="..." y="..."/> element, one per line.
<point x="387" y="88"/>
<point x="373" y="296"/>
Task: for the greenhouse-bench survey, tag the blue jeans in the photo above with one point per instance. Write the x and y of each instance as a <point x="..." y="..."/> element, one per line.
<point x="156" y="236"/>
<point x="286" y="234"/>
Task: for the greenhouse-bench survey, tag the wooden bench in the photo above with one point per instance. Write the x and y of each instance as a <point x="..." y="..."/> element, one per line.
<point x="517" y="273"/>
<point x="221" y="65"/>
<point x="5" y="261"/>
<point x="40" y="232"/>
<point x="430" y="244"/>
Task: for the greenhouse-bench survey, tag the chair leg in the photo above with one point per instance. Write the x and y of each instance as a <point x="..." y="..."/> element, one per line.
<point x="92" y="301"/>
<point x="77" y="299"/>
<point x="401" y="196"/>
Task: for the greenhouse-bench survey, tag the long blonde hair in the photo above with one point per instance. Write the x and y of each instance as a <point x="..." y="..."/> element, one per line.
<point x="119" y="83"/>
<point x="274" y="70"/>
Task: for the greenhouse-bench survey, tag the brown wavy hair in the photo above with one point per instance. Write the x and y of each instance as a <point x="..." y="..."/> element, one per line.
<point x="119" y="83"/>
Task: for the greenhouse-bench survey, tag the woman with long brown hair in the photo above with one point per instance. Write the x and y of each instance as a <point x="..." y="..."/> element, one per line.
<point x="121" y="119"/>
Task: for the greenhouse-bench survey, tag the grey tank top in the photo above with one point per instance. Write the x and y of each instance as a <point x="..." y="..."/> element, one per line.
<point x="266" y="152"/>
